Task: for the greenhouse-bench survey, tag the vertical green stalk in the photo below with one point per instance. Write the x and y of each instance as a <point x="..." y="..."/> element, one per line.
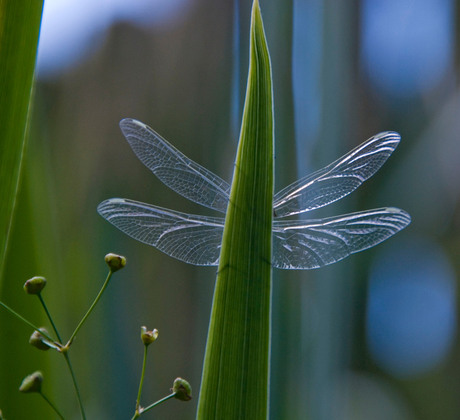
<point x="236" y="368"/>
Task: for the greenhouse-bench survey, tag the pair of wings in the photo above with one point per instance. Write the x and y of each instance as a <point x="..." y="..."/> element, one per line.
<point x="297" y="244"/>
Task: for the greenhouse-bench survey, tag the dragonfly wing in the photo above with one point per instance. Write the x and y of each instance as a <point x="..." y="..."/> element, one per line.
<point x="315" y="243"/>
<point x="174" y="169"/>
<point x="189" y="238"/>
<point x="338" y="179"/>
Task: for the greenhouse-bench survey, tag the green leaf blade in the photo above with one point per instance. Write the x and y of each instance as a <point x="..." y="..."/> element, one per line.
<point x="236" y="370"/>
<point x="19" y="29"/>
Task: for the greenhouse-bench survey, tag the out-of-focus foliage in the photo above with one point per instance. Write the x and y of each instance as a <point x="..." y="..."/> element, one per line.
<point x="19" y="28"/>
<point x="179" y="79"/>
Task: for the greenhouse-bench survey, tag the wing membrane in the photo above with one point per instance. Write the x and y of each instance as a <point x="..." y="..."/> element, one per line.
<point x="338" y="179"/>
<point x="174" y="169"/>
<point x="296" y="244"/>
<point x="189" y="238"/>
<point x="316" y="243"/>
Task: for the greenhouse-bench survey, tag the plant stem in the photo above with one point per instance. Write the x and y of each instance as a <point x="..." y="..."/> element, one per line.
<point x="66" y="356"/>
<point x="52" y="405"/>
<point x="104" y="286"/>
<point x="141" y="383"/>
<point x="75" y="385"/>
<point x="168" y="397"/>
<point x="49" y="317"/>
<point x="26" y="321"/>
<point x="69" y="342"/>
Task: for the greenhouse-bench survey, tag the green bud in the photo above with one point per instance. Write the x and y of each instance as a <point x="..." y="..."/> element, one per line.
<point x="35" y="285"/>
<point x="148" y="337"/>
<point x="182" y="390"/>
<point x="115" y="262"/>
<point x="32" y="383"/>
<point x="37" y="340"/>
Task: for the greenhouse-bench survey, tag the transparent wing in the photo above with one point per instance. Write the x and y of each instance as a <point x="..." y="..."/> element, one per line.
<point x="189" y="238"/>
<point x="175" y="169"/>
<point x="338" y="179"/>
<point x="316" y="243"/>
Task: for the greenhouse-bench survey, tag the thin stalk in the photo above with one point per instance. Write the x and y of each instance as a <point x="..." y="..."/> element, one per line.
<point x="75" y="385"/>
<point x="168" y="397"/>
<point x="26" y="322"/>
<point x="52" y="405"/>
<point x="49" y="317"/>
<point x="141" y="383"/>
<point x="104" y="286"/>
<point x="59" y="348"/>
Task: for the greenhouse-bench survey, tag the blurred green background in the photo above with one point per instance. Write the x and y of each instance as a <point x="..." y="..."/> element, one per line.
<point x="371" y="337"/>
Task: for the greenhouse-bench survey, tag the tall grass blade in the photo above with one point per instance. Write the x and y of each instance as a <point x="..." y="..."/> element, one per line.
<point x="19" y="29"/>
<point x="236" y="368"/>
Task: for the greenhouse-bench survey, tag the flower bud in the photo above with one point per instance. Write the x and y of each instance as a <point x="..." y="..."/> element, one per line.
<point x="148" y="337"/>
<point x="37" y="340"/>
<point x="115" y="262"/>
<point x="182" y="390"/>
<point x="35" y="285"/>
<point x="32" y="383"/>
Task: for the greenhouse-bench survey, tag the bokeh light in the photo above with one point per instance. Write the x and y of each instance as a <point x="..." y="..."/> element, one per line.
<point x="406" y="46"/>
<point x="411" y="307"/>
